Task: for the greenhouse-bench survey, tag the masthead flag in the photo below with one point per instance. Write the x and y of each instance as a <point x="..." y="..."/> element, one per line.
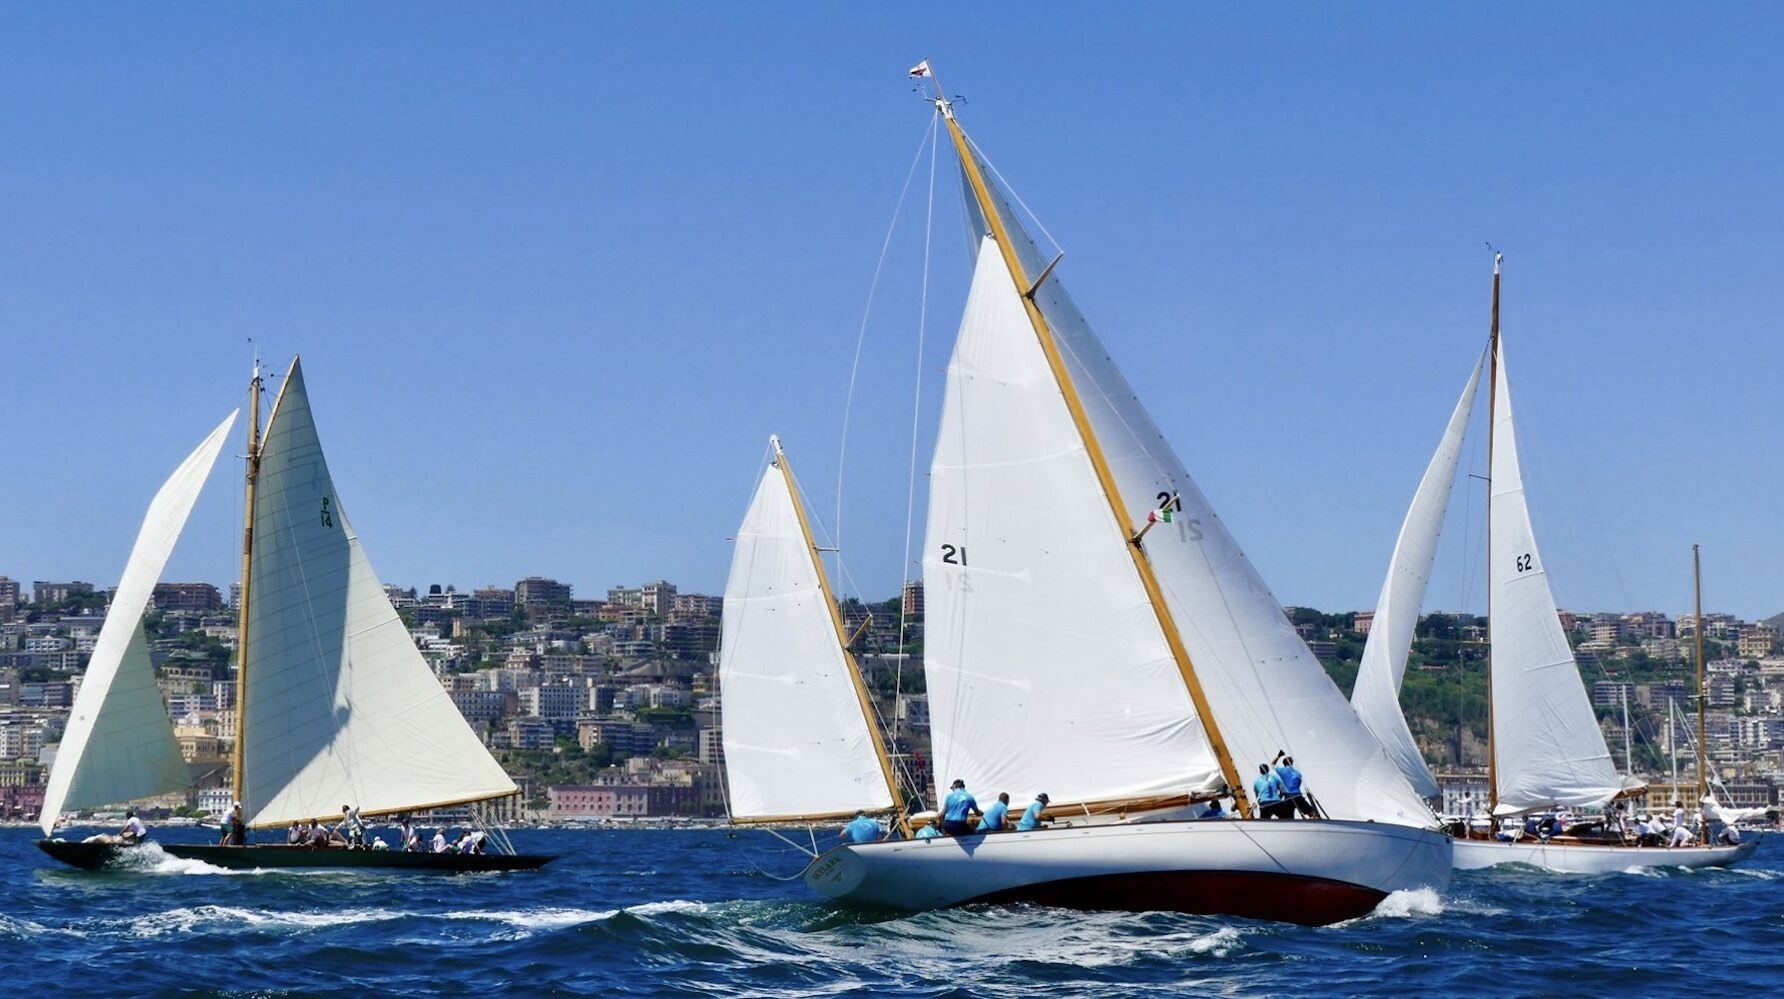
<point x="920" y="69"/>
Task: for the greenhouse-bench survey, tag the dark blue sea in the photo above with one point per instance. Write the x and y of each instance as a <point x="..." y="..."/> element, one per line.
<point x="704" y="913"/>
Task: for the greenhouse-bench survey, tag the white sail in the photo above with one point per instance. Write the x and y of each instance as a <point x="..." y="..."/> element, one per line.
<point x="119" y="743"/>
<point x="340" y="708"/>
<point x="1265" y="688"/>
<point x="1548" y="749"/>
<point x="796" y="741"/>
<point x="1046" y="667"/>
<point x="1376" y="696"/>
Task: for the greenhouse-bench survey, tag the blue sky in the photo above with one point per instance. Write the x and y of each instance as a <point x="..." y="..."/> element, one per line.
<point x="557" y="271"/>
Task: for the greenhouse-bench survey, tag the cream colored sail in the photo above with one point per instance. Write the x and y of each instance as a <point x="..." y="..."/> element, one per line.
<point x="796" y="741"/>
<point x="119" y="743"/>
<point x="1376" y="696"/>
<point x="340" y="708"/>
<point x="1547" y="746"/>
<point x="1265" y="688"/>
<point x="1046" y="667"/>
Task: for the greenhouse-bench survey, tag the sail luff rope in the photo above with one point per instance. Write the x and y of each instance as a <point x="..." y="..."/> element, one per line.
<point x="995" y="172"/>
<point x="861" y="336"/>
<point x="910" y="492"/>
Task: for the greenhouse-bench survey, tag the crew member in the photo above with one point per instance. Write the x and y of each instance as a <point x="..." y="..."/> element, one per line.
<point x="997" y="816"/>
<point x="1031" y="817"/>
<point x="1267" y="790"/>
<point x="861" y="830"/>
<point x="958" y="809"/>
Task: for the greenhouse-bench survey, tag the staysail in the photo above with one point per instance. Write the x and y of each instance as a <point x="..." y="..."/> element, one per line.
<point x="1266" y="690"/>
<point x="340" y="708"/>
<point x="1376" y="696"/>
<point x="1046" y="667"/>
<point x="119" y="743"/>
<point x="1548" y="749"/>
<point x="797" y="743"/>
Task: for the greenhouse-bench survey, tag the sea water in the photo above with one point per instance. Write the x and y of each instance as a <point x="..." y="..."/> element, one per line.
<point x="717" y="914"/>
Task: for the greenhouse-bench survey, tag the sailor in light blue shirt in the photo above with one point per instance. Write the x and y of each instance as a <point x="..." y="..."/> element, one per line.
<point x="997" y="815"/>
<point x="861" y="830"/>
<point x="957" y="809"/>
<point x="1290" y="778"/>
<point x="1268" y="791"/>
<point x="929" y="832"/>
<point x="1031" y="819"/>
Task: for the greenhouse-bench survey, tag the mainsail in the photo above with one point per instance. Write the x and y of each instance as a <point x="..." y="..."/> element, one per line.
<point x="1376" y="696"/>
<point x="1265" y="689"/>
<point x="339" y="708"/>
<point x="1046" y="666"/>
<point x="119" y="743"/>
<point x="797" y="743"/>
<point x="1547" y="747"/>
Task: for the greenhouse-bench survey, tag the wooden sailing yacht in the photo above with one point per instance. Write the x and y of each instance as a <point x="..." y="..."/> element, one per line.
<point x="1545" y="750"/>
<point x="1093" y="632"/>
<point x="334" y="703"/>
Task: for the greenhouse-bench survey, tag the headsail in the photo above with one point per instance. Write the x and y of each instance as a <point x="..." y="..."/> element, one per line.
<point x="1376" y="696"/>
<point x="1266" y="690"/>
<point x="1547" y="745"/>
<point x="1046" y="667"/>
<point x="797" y="744"/>
<point x="340" y="706"/>
<point x="119" y="743"/>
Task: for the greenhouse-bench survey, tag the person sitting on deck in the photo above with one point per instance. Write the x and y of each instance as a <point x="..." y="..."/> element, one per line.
<point x="1214" y="811"/>
<point x="1290" y="777"/>
<point x="928" y="832"/>
<point x="1729" y="836"/>
<point x="1268" y="790"/>
<point x="379" y="844"/>
<point x="440" y="840"/>
<point x="861" y="830"/>
<point x="997" y="816"/>
<point x="958" y="809"/>
<point x="1031" y="817"/>
<point x="295" y="835"/>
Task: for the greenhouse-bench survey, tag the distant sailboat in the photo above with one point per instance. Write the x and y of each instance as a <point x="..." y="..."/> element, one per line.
<point x="1121" y="669"/>
<point x="335" y="704"/>
<point x="1545" y="749"/>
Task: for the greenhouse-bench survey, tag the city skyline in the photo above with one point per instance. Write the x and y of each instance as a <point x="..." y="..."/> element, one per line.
<point x="554" y="291"/>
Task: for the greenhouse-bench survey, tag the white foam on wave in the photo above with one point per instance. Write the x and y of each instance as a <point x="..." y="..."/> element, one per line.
<point x="1220" y="943"/>
<point x="225" y="918"/>
<point x="1748" y="872"/>
<point x="151" y="859"/>
<point x="1408" y="903"/>
<point x="14" y="928"/>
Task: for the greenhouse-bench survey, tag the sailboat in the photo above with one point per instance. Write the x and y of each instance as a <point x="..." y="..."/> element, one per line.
<point x="334" y="703"/>
<point x="1093" y="632"/>
<point x="1545" y="749"/>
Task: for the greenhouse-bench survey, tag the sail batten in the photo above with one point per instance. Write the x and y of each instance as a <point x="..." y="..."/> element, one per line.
<point x="342" y="708"/>
<point x="119" y="743"/>
<point x="1376" y="695"/>
<point x="796" y="740"/>
<point x="1548" y="747"/>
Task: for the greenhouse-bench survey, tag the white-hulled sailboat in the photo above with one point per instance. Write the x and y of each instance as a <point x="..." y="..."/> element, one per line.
<point x="1121" y="668"/>
<point x="334" y="703"/>
<point x="1545" y="750"/>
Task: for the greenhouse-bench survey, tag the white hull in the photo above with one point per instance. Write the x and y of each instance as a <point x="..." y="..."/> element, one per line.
<point x="1578" y="858"/>
<point x="1311" y="872"/>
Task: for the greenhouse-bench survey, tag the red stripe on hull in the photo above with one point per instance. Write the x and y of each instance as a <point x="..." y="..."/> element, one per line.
<point x="1284" y="898"/>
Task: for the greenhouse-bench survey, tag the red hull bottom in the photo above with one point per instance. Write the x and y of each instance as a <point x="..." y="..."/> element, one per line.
<point x="1280" y="897"/>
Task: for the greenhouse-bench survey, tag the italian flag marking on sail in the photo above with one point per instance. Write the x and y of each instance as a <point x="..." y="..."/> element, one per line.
<point x="1159" y="516"/>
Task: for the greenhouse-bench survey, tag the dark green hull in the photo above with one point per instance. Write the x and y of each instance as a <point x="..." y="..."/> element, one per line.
<point x="97" y="856"/>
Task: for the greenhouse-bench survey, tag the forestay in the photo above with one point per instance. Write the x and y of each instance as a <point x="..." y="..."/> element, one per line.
<point x="1046" y="666"/>
<point x="340" y="707"/>
<point x="1548" y="749"/>
<point x="796" y="741"/>
<point x="1376" y="696"/>
<point x="1265" y="688"/>
<point x="119" y="743"/>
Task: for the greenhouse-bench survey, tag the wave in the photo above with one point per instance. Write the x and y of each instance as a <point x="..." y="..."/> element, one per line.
<point x="229" y="919"/>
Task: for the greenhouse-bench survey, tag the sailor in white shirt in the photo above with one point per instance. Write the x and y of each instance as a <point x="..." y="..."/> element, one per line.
<point x="134" y="831"/>
<point x="439" y="841"/>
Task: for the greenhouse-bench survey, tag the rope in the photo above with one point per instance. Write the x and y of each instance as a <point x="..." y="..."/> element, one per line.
<point x="1011" y="188"/>
<point x="861" y="333"/>
<point x="910" y="490"/>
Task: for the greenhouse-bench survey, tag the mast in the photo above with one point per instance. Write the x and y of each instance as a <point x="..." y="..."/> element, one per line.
<point x="238" y="771"/>
<point x="1492" y="418"/>
<point x="1025" y="288"/>
<point x="1702" y="773"/>
<point x="842" y="638"/>
<point x="1628" y="760"/>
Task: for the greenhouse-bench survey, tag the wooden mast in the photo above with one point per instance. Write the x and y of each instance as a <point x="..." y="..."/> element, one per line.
<point x="842" y="639"/>
<point x="238" y="772"/>
<point x="1026" y="289"/>
<point x="1703" y="787"/>
<point x="1492" y="418"/>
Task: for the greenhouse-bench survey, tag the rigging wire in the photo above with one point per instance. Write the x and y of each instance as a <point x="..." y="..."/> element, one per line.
<point x="861" y="333"/>
<point x="1011" y="188"/>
